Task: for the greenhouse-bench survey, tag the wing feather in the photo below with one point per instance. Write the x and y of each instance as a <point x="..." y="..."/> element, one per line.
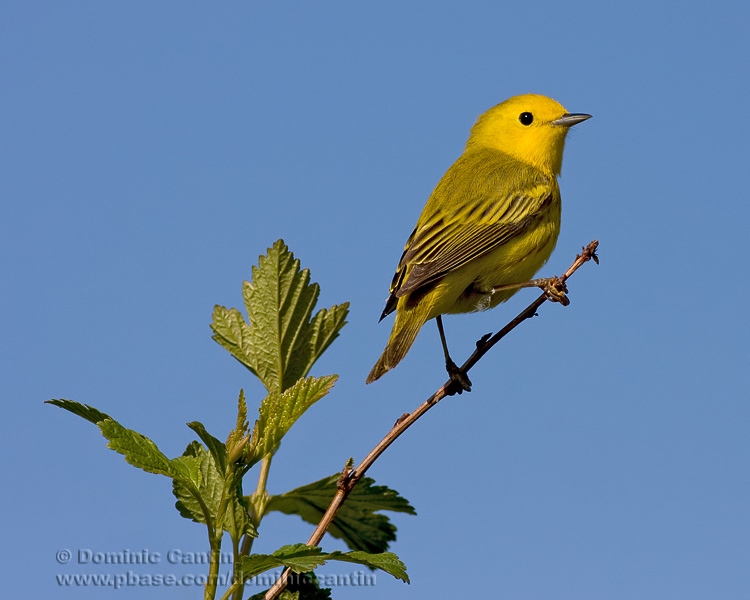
<point x="466" y="218"/>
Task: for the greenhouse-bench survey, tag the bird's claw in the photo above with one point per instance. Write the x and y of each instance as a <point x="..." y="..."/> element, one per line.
<point x="460" y="381"/>
<point x="554" y="288"/>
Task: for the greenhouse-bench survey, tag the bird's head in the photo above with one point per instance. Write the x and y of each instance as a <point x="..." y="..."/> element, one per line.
<point x="530" y="128"/>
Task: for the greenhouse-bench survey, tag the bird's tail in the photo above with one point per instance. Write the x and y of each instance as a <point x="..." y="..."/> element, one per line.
<point x="409" y="321"/>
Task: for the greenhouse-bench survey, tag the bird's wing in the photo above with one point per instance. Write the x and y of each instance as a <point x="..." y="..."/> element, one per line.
<point x="471" y="221"/>
<point x="462" y="244"/>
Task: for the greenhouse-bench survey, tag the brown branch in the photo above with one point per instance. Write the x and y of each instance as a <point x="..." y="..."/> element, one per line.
<point x="350" y="477"/>
<point x="483" y="346"/>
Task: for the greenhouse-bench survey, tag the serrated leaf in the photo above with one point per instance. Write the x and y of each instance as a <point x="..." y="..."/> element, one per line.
<point x="203" y="501"/>
<point x="280" y="343"/>
<point x="322" y="331"/>
<point x="240" y="429"/>
<point x="137" y="449"/>
<point x="279" y="301"/>
<point x="300" y="558"/>
<point x="233" y="334"/>
<point x="279" y="411"/>
<point x="279" y="282"/>
<point x="385" y="561"/>
<point x="216" y="447"/>
<point x="196" y="482"/>
<point x="209" y="488"/>
<point x="237" y="522"/>
<point x="140" y="451"/>
<point x="356" y="522"/>
<point x="82" y="410"/>
<point x="190" y="468"/>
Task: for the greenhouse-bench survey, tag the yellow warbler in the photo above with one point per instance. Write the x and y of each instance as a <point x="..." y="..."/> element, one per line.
<point x="491" y="222"/>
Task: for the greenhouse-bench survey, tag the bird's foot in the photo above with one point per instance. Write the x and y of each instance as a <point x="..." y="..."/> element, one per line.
<point x="460" y="381"/>
<point x="554" y="288"/>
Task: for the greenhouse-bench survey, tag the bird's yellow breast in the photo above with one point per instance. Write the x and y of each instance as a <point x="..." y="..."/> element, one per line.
<point x="468" y="288"/>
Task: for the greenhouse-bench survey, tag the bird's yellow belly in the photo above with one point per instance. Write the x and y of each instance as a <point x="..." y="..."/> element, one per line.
<point x="468" y="289"/>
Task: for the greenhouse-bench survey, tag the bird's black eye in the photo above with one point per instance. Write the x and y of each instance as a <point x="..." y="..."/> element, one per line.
<point x="526" y="118"/>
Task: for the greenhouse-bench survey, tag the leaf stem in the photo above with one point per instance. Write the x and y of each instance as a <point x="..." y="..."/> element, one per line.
<point x="260" y="490"/>
<point x="258" y="501"/>
<point x="259" y="498"/>
<point x="213" y="568"/>
<point x="230" y="483"/>
<point x="238" y="585"/>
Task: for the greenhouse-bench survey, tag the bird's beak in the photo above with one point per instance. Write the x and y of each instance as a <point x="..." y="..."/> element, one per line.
<point x="570" y="119"/>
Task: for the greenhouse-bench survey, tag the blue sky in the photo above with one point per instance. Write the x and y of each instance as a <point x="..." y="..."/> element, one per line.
<point x="151" y="151"/>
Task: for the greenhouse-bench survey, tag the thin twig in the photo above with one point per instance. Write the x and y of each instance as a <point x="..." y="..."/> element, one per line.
<point x="483" y="346"/>
<point x="350" y="477"/>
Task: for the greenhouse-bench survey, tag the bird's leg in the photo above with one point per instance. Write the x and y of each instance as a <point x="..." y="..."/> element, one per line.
<point x="459" y="378"/>
<point x="552" y="287"/>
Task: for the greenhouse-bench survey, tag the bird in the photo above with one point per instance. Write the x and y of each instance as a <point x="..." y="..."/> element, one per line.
<point x="489" y="225"/>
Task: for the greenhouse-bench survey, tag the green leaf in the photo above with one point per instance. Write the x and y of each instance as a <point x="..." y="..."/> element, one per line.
<point x="237" y="522"/>
<point x="279" y="411"/>
<point x="190" y="505"/>
<point x="300" y="558"/>
<point x="82" y="410"/>
<point x="197" y="483"/>
<point x="137" y="449"/>
<point x="191" y="470"/>
<point x="237" y="434"/>
<point x="140" y="451"/>
<point x="202" y="501"/>
<point x="323" y="330"/>
<point x="356" y="523"/>
<point x="385" y="561"/>
<point x="281" y="342"/>
<point x="216" y="447"/>
<point x="279" y="301"/>
<point x="233" y="334"/>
